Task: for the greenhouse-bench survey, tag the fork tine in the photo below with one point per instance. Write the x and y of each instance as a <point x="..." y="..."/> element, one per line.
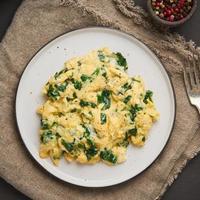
<point x="187" y="81"/>
<point x="190" y="75"/>
<point x="198" y="64"/>
<point x="196" y="71"/>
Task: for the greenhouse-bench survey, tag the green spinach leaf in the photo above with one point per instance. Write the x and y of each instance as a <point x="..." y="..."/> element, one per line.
<point x="85" y="77"/>
<point x="53" y="93"/>
<point x="77" y="84"/>
<point x="47" y="136"/>
<point x="108" y="156"/>
<point x="127" y="99"/>
<point x="96" y="72"/>
<point x="68" y="146"/>
<point x="44" y="124"/>
<point x="101" y="56"/>
<point x="57" y="74"/>
<point x="134" y="110"/>
<point x="103" y="118"/>
<point x="87" y="132"/>
<point x="104" y="98"/>
<point x="92" y="150"/>
<point x="71" y="99"/>
<point x="121" y="61"/>
<point x="148" y="96"/>
<point x="132" y="132"/>
<point x="86" y="103"/>
<point x="126" y="87"/>
<point x="133" y="79"/>
<point x="62" y="86"/>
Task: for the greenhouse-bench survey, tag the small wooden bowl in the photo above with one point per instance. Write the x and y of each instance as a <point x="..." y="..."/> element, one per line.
<point x="168" y="24"/>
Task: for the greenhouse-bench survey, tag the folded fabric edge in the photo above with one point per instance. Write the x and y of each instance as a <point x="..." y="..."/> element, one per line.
<point x="191" y="151"/>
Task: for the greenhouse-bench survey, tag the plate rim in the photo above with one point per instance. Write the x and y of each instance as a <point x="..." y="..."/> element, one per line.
<point x="98" y="185"/>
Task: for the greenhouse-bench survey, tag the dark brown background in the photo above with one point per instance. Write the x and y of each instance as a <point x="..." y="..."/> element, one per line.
<point x="187" y="187"/>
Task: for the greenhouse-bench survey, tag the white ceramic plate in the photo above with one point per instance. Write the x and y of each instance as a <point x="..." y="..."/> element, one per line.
<point x="141" y="61"/>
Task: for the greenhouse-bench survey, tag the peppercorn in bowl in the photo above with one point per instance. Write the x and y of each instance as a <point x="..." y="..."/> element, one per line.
<point x="171" y="13"/>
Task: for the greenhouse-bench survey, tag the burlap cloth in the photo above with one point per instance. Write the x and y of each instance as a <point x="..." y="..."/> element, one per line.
<point x="35" y="23"/>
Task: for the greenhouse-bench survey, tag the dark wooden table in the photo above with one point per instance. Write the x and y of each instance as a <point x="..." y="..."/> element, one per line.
<point x="187" y="186"/>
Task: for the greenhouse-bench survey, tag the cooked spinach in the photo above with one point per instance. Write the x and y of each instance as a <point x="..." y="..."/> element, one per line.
<point x="148" y="96"/>
<point x="132" y="132"/>
<point x="77" y="84"/>
<point x="54" y="124"/>
<point x="126" y="87"/>
<point x="103" y="118"/>
<point x="103" y="72"/>
<point x="81" y="146"/>
<point x="92" y="150"/>
<point x="101" y="56"/>
<point x="133" y="79"/>
<point x="62" y="86"/>
<point x="104" y="98"/>
<point x="105" y="75"/>
<point x="69" y="146"/>
<point x="87" y="132"/>
<point x="53" y="93"/>
<point x="71" y="99"/>
<point x="85" y="77"/>
<point x="44" y="124"/>
<point x="143" y="139"/>
<point x="108" y="156"/>
<point x="93" y="105"/>
<point x="127" y="99"/>
<point x="121" y="61"/>
<point x="57" y="74"/>
<point x="86" y="103"/>
<point x="83" y="103"/>
<point x="125" y="141"/>
<point x="47" y="136"/>
<point x="96" y="71"/>
<point x="133" y="111"/>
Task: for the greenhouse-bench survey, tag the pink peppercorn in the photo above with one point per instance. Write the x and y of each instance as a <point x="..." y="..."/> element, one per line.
<point x="172" y="10"/>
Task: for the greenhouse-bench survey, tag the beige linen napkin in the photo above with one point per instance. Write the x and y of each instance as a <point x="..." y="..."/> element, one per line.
<point x="35" y="23"/>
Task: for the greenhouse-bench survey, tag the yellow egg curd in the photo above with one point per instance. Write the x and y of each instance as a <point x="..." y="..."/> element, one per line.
<point x="93" y="110"/>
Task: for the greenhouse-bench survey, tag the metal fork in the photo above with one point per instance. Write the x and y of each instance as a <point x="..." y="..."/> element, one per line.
<point x="192" y="80"/>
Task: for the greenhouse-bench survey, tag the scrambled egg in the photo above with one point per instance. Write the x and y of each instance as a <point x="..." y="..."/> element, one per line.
<point x="93" y="110"/>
